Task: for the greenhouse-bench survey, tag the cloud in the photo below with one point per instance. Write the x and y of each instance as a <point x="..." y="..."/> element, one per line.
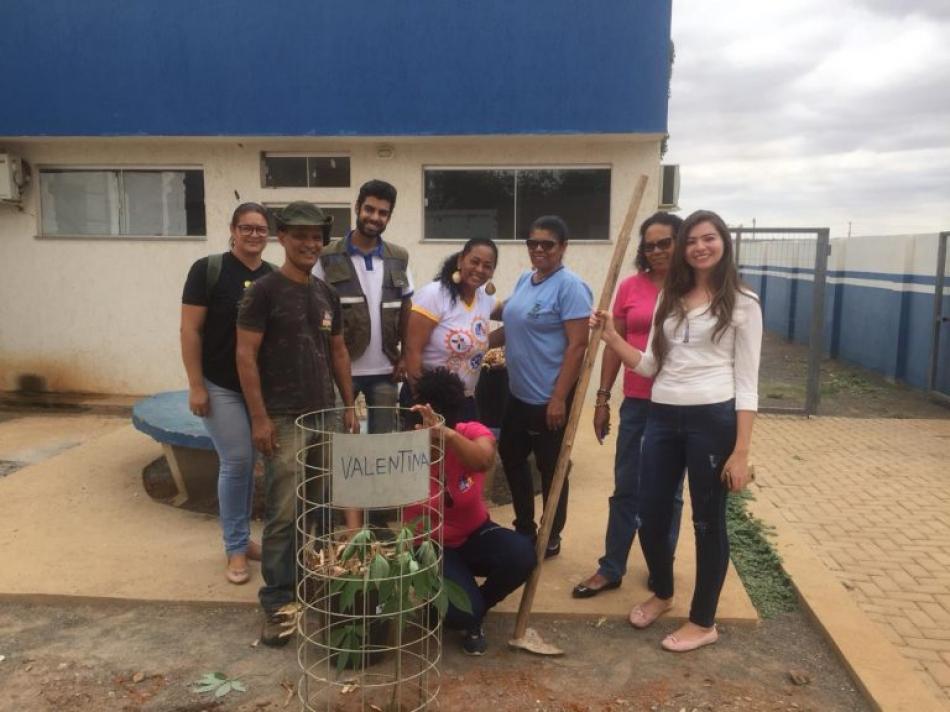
<point x="810" y="113"/>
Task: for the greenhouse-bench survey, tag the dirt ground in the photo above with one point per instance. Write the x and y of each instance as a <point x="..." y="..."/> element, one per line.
<point x="846" y="391"/>
<point x="104" y="657"/>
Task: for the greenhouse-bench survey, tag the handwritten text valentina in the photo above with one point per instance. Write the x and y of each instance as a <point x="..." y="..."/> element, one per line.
<point x="396" y="463"/>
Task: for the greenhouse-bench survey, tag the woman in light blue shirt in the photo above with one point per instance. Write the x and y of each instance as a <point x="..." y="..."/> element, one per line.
<point x="545" y="338"/>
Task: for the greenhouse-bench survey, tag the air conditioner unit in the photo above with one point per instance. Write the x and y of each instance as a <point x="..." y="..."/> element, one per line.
<point x="669" y="187"/>
<point x="11" y="177"/>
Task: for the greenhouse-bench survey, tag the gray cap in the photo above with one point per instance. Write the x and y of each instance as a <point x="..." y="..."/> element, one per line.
<point x="303" y="214"/>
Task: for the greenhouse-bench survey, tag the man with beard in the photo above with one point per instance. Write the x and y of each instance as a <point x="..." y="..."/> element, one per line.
<point x="373" y="281"/>
<point x="289" y="344"/>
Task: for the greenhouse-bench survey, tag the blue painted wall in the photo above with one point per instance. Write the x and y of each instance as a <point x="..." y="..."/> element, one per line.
<point x="877" y="328"/>
<point x="340" y="67"/>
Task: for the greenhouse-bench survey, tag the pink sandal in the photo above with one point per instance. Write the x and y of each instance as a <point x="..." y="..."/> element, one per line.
<point x="675" y="645"/>
<point x="639" y="618"/>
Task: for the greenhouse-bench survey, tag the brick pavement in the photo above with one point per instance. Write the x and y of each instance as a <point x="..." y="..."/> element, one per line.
<point x="873" y="498"/>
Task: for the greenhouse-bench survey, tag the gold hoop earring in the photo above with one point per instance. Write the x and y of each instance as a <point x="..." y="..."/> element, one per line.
<point x="490" y="288"/>
<point x="456" y="277"/>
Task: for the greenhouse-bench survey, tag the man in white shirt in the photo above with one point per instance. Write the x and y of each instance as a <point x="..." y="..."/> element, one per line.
<point x="373" y="281"/>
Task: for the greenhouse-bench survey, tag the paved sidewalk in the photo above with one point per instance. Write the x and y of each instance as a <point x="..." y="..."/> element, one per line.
<point x="871" y="498"/>
<point x="101" y="536"/>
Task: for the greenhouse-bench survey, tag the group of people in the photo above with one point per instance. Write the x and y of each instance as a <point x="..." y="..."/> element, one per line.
<point x="264" y="344"/>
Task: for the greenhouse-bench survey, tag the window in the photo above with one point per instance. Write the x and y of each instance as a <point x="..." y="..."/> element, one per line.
<point x="502" y="203"/>
<point x="280" y="170"/>
<point x="342" y="217"/>
<point x="122" y="202"/>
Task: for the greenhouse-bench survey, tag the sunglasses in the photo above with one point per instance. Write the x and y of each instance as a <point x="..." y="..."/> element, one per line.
<point x="545" y="245"/>
<point x="663" y="244"/>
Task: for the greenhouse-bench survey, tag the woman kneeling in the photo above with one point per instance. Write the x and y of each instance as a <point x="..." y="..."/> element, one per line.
<point x="474" y="545"/>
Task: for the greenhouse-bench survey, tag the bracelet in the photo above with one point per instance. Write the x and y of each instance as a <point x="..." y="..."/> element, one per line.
<point x="601" y="405"/>
<point x="605" y="392"/>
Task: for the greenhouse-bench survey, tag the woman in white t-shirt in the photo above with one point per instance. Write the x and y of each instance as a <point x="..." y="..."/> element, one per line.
<point x="703" y="352"/>
<point x="448" y="325"/>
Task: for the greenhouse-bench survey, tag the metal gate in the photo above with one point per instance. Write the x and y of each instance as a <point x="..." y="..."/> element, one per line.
<point x="787" y="268"/>
<point x="940" y="320"/>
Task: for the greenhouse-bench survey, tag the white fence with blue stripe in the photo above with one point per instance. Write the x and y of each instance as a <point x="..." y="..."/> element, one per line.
<point x="879" y="300"/>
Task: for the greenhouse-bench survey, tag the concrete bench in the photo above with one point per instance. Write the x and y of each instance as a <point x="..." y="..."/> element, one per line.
<point x="188" y="449"/>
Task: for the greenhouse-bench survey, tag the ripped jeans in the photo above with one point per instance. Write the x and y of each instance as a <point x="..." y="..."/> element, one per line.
<point x="699" y="438"/>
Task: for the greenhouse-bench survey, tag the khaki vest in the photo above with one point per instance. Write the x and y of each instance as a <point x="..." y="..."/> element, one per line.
<point x="340" y="273"/>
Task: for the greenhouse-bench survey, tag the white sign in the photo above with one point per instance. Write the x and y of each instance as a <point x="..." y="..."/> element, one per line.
<point x="380" y="469"/>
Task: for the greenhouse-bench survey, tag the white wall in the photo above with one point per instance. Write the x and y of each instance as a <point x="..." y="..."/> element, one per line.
<point x="102" y="315"/>
<point x="898" y="255"/>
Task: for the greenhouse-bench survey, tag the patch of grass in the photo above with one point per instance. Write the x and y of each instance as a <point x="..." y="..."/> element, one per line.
<point x="833" y="382"/>
<point x="759" y="567"/>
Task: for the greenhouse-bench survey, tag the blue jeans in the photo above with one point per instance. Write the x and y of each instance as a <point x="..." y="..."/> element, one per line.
<point x="624" y="512"/>
<point x="700" y="438"/>
<point x="230" y="430"/>
<point x="504" y="557"/>
<point x="380" y="394"/>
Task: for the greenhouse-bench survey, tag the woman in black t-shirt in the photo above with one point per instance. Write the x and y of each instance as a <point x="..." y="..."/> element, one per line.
<point x="212" y="291"/>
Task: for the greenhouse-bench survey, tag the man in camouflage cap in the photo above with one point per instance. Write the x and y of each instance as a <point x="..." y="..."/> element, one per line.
<point x="289" y="344"/>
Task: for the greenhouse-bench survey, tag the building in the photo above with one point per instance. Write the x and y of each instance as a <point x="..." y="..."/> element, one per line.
<point x="142" y="125"/>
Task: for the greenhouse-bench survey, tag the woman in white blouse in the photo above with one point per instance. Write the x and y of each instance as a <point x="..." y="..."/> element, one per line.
<point x="448" y="324"/>
<point x="703" y="350"/>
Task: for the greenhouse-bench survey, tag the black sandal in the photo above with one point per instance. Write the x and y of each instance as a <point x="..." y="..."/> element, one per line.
<point x="582" y="590"/>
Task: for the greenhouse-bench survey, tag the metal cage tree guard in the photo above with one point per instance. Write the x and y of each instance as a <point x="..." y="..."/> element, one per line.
<point x="371" y="598"/>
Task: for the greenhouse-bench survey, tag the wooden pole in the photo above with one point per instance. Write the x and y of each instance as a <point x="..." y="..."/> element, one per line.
<point x="570" y="428"/>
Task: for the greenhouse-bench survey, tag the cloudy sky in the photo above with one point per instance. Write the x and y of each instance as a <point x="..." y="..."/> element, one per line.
<point x="814" y="112"/>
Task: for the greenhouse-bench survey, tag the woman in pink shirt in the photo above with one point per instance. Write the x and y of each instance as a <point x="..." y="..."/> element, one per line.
<point x="474" y="545"/>
<point x="633" y="312"/>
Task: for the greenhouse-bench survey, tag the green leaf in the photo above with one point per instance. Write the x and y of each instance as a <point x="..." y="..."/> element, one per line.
<point x="224" y="689"/>
<point x="425" y="554"/>
<point x="442" y="603"/>
<point x="349" y="647"/>
<point x="208" y="687"/>
<point x="403" y="561"/>
<point x="337" y="636"/>
<point x="393" y="604"/>
<point x="378" y="569"/>
<point x="220" y="676"/>
<point x="457" y="596"/>
<point x="357" y="544"/>
<point x="403" y="539"/>
<point x="208" y="679"/>
<point x="386" y="587"/>
<point x="421" y="584"/>
<point x="348" y="596"/>
<point x="238" y="685"/>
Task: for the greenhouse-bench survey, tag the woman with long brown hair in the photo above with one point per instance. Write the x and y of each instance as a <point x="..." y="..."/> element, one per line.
<point x="703" y="352"/>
